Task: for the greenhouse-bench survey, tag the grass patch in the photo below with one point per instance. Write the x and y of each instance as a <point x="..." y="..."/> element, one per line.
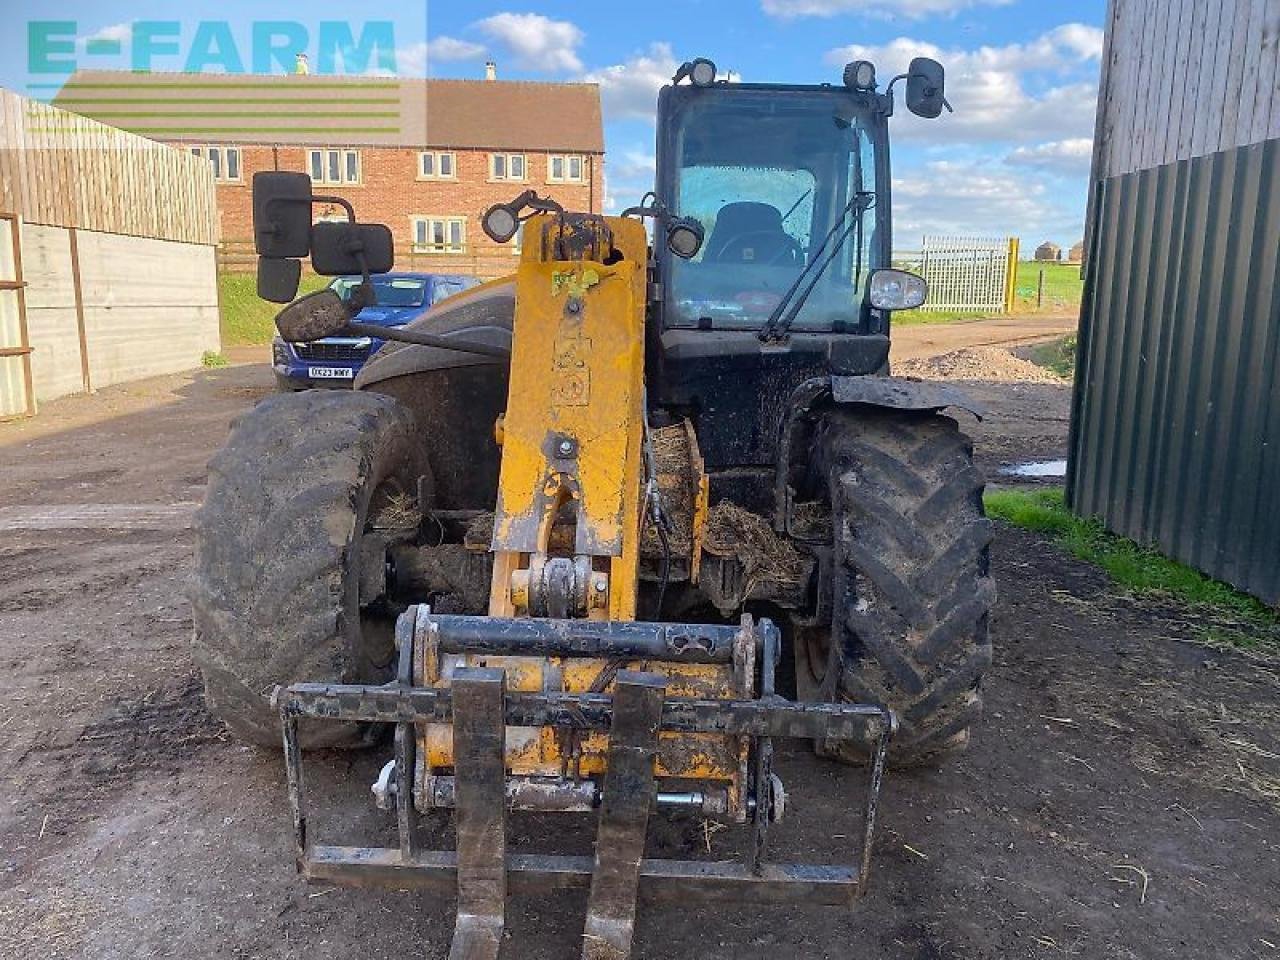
<point x="911" y="318"/>
<point x="1240" y="621"/>
<point x="246" y="319"/>
<point x="1058" y="355"/>
<point x="1063" y="286"/>
<point x="213" y="359"/>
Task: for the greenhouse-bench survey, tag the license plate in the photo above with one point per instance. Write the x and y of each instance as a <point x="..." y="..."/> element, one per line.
<point x="330" y="373"/>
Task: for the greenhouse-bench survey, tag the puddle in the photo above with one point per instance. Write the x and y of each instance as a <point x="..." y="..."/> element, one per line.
<point x="1036" y="468"/>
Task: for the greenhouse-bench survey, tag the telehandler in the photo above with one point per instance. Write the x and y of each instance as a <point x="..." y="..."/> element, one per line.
<point x="586" y="539"/>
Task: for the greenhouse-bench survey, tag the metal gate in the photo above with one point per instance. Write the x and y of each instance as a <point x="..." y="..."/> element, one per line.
<point x="969" y="273"/>
<point x="17" y="396"/>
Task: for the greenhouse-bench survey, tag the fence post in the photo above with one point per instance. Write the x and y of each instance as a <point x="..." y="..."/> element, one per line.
<point x="1011" y="277"/>
<point x="1040" y="290"/>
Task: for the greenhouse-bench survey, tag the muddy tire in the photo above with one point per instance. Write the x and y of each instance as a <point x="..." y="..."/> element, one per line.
<point x="911" y="591"/>
<point x="276" y="594"/>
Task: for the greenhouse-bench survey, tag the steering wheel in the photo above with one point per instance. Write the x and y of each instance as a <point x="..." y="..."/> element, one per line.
<point x="791" y="249"/>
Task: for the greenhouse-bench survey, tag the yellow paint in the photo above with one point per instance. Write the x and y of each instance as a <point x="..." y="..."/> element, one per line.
<point x="577" y="373"/>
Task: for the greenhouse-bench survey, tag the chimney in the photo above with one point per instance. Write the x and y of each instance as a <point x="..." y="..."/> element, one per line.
<point x="490" y="70"/>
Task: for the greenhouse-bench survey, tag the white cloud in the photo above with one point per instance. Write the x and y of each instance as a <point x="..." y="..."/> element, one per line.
<point x="986" y="87"/>
<point x="116" y="33"/>
<point x="450" y="48"/>
<point x="536" y="42"/>
<point x="629" y="174"/>
<point x="1080" y="38"/>
<point x="880" y="9"/>
<point x="1068" y="157"/>
<point x="978" y="199"/>
<point x="413" y="60"/>
<point x="630" y="90"/>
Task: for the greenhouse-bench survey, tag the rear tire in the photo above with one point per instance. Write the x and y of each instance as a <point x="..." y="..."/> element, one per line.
<point x="911" y="591"/>
<point x="276" y="595"/>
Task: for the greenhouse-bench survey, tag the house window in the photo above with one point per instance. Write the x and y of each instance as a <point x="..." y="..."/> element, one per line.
<point x="562" y="169"/>
<point x="439" y="234"/>
<point x="224" y="160"/>
<point x="506" y="166"/>
<point x="337" y="167"/>
<point x="433" y="165"/>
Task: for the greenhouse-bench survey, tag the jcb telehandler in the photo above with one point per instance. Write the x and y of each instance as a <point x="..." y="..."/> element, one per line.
<point x="566" y="528"/>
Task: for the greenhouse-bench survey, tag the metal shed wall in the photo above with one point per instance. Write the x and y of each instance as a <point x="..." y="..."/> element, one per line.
<point x="1176" y="421"/>
<point x="1176" y="426"/>
<point x="1185" y="78"/>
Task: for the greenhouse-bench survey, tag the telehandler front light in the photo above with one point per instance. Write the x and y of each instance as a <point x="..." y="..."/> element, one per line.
<point x="500" y="223"/>
<point x="684" y="238"/>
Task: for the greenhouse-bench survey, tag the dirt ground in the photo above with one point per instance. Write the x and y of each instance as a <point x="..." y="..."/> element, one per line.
<point x="1121" y="800"/>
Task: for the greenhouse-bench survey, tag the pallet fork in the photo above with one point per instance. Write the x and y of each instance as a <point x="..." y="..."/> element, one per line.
<point x="480" y="709"/>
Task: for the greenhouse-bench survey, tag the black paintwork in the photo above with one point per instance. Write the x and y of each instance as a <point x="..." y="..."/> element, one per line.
<point x="735" y="389"/>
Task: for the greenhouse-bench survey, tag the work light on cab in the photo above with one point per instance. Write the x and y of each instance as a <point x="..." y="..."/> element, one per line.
<point x="860" y="75"/>
<point x="684" y="237"/>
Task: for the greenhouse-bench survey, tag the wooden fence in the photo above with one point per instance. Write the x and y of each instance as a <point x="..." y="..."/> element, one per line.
<point x="487" y="263"/>
<point x="106" y="255"/>
<point x="64" y="170"/>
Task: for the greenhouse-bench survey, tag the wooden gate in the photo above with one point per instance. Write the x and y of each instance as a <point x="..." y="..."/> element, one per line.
<point x="17" y="394"/>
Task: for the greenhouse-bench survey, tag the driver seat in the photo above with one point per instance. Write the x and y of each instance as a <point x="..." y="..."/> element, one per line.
<point x="750" y="232"/>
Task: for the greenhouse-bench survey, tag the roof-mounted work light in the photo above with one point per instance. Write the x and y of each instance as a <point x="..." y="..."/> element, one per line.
<point x="701" y="72"/>
<point x="860" y="75"/>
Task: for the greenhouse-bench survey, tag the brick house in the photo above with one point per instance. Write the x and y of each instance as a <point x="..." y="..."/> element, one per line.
<point x="425" y="157"/>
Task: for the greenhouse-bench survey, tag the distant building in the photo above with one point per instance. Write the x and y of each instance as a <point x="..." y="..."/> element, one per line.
<point x="1076" y="253"/>
<point x="425" y="157"/>
<point x="1048" y="252"/>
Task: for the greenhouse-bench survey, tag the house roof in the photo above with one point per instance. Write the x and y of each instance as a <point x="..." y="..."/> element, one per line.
<point x="341" y="111"/>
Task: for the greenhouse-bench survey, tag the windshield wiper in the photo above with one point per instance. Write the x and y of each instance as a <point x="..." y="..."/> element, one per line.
<point x="789" y="307"/>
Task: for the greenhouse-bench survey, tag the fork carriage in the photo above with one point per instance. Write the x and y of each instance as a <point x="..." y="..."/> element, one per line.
<point x="641" y="730"/>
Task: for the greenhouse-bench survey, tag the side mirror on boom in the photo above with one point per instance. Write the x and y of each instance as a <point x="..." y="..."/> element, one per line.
<point x="284" y="235"/>
<point x="926" y="88"/>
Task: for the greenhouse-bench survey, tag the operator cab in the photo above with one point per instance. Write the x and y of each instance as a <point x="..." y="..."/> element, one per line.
<point x="771" y="172"/>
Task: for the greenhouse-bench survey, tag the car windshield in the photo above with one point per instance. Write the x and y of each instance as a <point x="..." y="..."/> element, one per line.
<point x="391" y="291"/>
<point x="769" y="175"/>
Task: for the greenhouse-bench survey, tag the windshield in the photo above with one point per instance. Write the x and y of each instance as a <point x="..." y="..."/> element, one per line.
<point x="770" y="174"/>
<point x="391" y="291"/>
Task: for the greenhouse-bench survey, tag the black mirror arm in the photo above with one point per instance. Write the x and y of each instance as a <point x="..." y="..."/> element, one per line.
<point x="344" y="204"/>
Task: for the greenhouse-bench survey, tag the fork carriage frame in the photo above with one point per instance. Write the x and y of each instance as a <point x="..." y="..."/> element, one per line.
<point x="481" y="871"/>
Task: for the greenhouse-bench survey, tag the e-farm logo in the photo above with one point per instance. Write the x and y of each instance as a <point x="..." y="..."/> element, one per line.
<point x="56" y="48"/>
<point x="218" y="79"/>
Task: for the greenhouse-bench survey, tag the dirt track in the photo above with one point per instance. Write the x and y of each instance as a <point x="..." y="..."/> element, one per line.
<point x="1122" y="798"/>
<point x="927" y="339"/>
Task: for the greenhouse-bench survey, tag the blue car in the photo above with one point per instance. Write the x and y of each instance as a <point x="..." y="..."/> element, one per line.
<point x="335" y="361"/>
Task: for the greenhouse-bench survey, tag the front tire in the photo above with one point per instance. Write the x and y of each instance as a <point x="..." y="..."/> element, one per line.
<point x="276" y="597"/>
<point x="912" y="589"/>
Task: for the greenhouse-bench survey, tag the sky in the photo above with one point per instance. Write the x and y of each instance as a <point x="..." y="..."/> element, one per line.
<point x="1013" y="159"/>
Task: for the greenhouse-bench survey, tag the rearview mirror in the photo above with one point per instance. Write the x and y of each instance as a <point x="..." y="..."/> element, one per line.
<point x="926" y="88"/>
<point x="278" y="279"/>
<point x="896" y="290"/>
<point x="335" y="248"/>
<point x="282" y="215"/>
<point x="313" y="317"/>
